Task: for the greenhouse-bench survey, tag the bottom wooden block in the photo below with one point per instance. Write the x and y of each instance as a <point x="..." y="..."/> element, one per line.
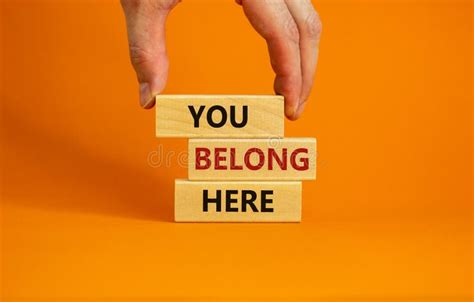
<point x="237" y="201"/>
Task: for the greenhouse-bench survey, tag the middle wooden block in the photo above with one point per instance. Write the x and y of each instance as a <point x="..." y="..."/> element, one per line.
<point x="252" y="159"/>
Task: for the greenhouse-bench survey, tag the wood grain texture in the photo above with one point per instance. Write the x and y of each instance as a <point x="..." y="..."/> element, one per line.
<point x="252" y="159"/>
<point x="174" y="118"/>
<point x="282" y="197"/>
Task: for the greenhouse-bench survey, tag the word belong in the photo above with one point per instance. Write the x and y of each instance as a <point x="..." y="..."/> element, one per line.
<point x="226" y="159"/>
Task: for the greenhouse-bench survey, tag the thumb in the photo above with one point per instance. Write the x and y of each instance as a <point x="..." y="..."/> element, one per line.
<point x="146" y="39"/>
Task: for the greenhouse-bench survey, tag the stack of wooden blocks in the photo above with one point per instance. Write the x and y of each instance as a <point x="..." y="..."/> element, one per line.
<point x="241" y="168"/>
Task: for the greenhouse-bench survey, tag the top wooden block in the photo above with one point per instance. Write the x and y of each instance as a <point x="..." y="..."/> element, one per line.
<point x="219" y="116"/>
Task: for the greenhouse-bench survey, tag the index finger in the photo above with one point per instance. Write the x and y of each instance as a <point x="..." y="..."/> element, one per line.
<point x="309" y="27"/>
<point x="274" y="22"/>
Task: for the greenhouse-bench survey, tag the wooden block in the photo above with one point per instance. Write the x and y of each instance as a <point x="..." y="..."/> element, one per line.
<point x="240" y="201"/>
<point x="219" y="116"/>
<point x="252" y="159"/>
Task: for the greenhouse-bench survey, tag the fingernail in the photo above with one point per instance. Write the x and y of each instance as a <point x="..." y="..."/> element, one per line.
<point x="145" y="95"/>
<point x="300" y="110"/>
<point x="289" y="111"/>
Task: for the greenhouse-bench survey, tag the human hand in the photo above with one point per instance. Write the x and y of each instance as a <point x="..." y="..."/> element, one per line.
<point x="291" y="29"/>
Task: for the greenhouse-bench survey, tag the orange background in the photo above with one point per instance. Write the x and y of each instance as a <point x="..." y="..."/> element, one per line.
<point x="84" y="217"/>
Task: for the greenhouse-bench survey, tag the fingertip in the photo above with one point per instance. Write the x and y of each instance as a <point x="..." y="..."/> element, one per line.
<point x="291" y="102"/>
<point x="147" y="100"/>
<point x="290" y="112"/>
<point x="150" y="104"/>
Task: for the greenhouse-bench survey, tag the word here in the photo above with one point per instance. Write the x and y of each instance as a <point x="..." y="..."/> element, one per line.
<point x="237" y="201"/>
